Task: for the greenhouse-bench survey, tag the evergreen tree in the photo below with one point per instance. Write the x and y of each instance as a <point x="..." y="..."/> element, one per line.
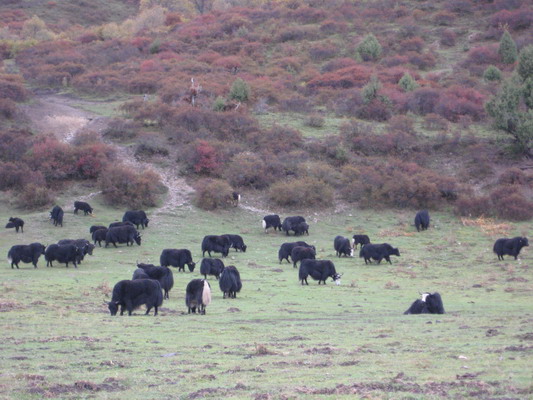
<point x="407" y="83"/>
<point x="525" y="63"/>
<point x="240" y="90"/>
<point x="369" y="49"/>
<point x="492" y="73"/>
<point x="370" y="90"/>
<point x="507" y="50"/>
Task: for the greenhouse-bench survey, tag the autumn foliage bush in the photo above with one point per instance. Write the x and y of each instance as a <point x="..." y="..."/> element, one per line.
<point x="123" y="186"/>
<point x="212" y="194"/>
<point x="301" y="192"/>
<point x="509" y="202"/>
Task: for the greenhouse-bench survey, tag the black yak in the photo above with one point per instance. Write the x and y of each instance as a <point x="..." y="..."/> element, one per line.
<point x="177" y="258"/>
<point x="285" y="249"/>
<point x="122" y="234"/>
<point x="211" y="266"/>
<point x="63" y="254"/>
<point x="136" y="218"/>
<point x="83" y="206"/>
<point x="99" y="236"/>
<point x="378" y="252"/>
<point x="236" y="242"/>
<point x="431" y="303"/>
<point x="230" y="282"/>
<point x="422" y="220"/>
<point x="27" y="253"/>
<point x="16" y="223"/>
<point x="342" y="246"/>
<point x="216" y="244"/>
<point x="197" y="295"/>
<point x="290" y="223"/>
<point x="300" y="253"/>
<point x="130" y="295"/>
<point x="271" y="221"/>
<point x="510" y="247"/>
<point x="162" y="274"/>
<point x="319" y="270"/>
<point x="56" y="215"/>
<point x="360" y="239"/>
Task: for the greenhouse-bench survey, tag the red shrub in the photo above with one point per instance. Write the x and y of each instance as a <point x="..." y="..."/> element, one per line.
<point x="512" y="176"/>
<point x="322" y="51"/>
<point x="415" y="44"/>
<point x="207" y="160"/>
<point x="172" y="18"/>
<point x="421" y="61"/>
<point x="482" y="55"/>
<point x="510" y="203"/>
<point x="448" y="37"/>
<point x="331" y="27"/>
<point x="339" y="63"/>
<point x="307" y="15"/>
<point x="356" y="76"/>
<point x="8" y="108"/>
<point x="231" y="63"/>
<point x="376" y="110"/>
<point x="423" y="100"/>
<point x="515" y="20"/>
<point x="12" y="88"/>
<point x="54" y="159"/>
<point x="459" y="101"/>
<point x="18" y="175"/>
<point x="212" y="194"/>
<point x="444" y="18"/>
<point x="34" y="196"/>
<point x="473" y="206"/>
<point x="88" y="37"/>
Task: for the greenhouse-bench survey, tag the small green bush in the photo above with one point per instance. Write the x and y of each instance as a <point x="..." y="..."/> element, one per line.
<point x="407" y="83"/>
<point x="240" y="90"/>
<point x="314" y="121"/>
<point x="492" y="73"/>
<point x="369" y="49"/>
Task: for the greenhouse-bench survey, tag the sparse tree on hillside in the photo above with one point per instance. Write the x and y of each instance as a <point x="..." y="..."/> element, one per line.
<point x="370" y="90"/>
<point x="407" y="83"/>
<point x="507" y="50"/>
<point x="240" y="90"/>
<point x="35" y="28"/>
<point x="369" y="49"/>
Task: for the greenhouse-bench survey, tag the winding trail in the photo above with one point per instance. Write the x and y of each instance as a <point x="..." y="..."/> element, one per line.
<point x="56" y="115"/>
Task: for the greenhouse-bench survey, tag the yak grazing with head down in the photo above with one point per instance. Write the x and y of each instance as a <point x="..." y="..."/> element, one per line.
<point x="431" y="303"/>
<point x="230" y="282"/>
<point x="197" y="295"/>
<point x="130" y="295"/>
<point x="319" y="270"/>
<point x="509" y="247"/>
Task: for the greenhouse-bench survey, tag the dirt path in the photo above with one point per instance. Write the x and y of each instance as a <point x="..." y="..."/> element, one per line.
<point x="56" y="115"/>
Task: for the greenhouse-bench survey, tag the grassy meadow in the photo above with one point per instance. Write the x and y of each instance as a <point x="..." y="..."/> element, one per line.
<point x="278" y="339"/>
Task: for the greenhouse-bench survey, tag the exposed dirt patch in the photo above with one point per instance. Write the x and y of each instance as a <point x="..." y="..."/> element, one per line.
<point x="319" y="350"/>
<point x="55" y="115"/>
<point x="72" y="338"/>
<point x="526" y="336"/>
<point x="108" y="385"/>
<point x="9" y="305"/>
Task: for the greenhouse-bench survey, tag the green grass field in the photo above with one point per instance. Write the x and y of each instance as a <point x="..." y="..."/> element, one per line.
<point x="277" y="340"/>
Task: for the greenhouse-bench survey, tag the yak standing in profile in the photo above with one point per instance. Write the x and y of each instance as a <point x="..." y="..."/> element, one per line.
<point x="230" y="282"/>
<point x="510" y="247"/>
<point x="16" y="223"/>
<point x="431" y="303"/>
<point x="197" y="295"/>
<point x="130" y="295"/>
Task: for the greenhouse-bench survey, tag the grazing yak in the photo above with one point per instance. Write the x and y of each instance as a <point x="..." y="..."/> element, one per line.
<point x="177" y="258"/>
<point x="300" y="253"/>
<point x="510" y="247"/>
<point x="290" y="223"/>
<point x="63" y="254"/>
<point x="236" y="242"/>
<point x="27" y="253"/>
<point x="422" y="220"/>
<point x="94" y="228"/>
<point x="378" y="252"/>
<point x="431" y="303"/>
<point x="211" y="266"/>
<point x="122" y="234"/>
<point x="83" y="206"/>
<point x="230" y="282"/>
<point x="99" y="236"/>
<point x="118" y="223"/>
<point x="319" y="270"/>
<point x="16" y="223"/>
<point x="301" y="228"/>
<point x="197" y="295"/>
<point x="162" y="274"/>
<point x="136" y="218"/>
<point x="82" y="244"/>
<point x="285" y="249"/>
<point x="342" y="246"/>
<point x="360" y="239"/>
<point x="130" y="295"/>
<point x="216" y="244"/>
<point x="271" y="221"/>
<point x="56" y="215"/>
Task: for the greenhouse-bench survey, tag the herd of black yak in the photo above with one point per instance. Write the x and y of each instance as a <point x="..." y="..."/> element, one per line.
<point x="150" y="284"/>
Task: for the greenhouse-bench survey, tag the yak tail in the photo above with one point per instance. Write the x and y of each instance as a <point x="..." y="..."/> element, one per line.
<point x="263" y="222"/>
<point x="206" y="294"/>
<point x="9" y="259"/>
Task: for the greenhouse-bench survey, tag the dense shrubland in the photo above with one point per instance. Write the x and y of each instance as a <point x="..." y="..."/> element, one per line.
<point x="424" y="76"/>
